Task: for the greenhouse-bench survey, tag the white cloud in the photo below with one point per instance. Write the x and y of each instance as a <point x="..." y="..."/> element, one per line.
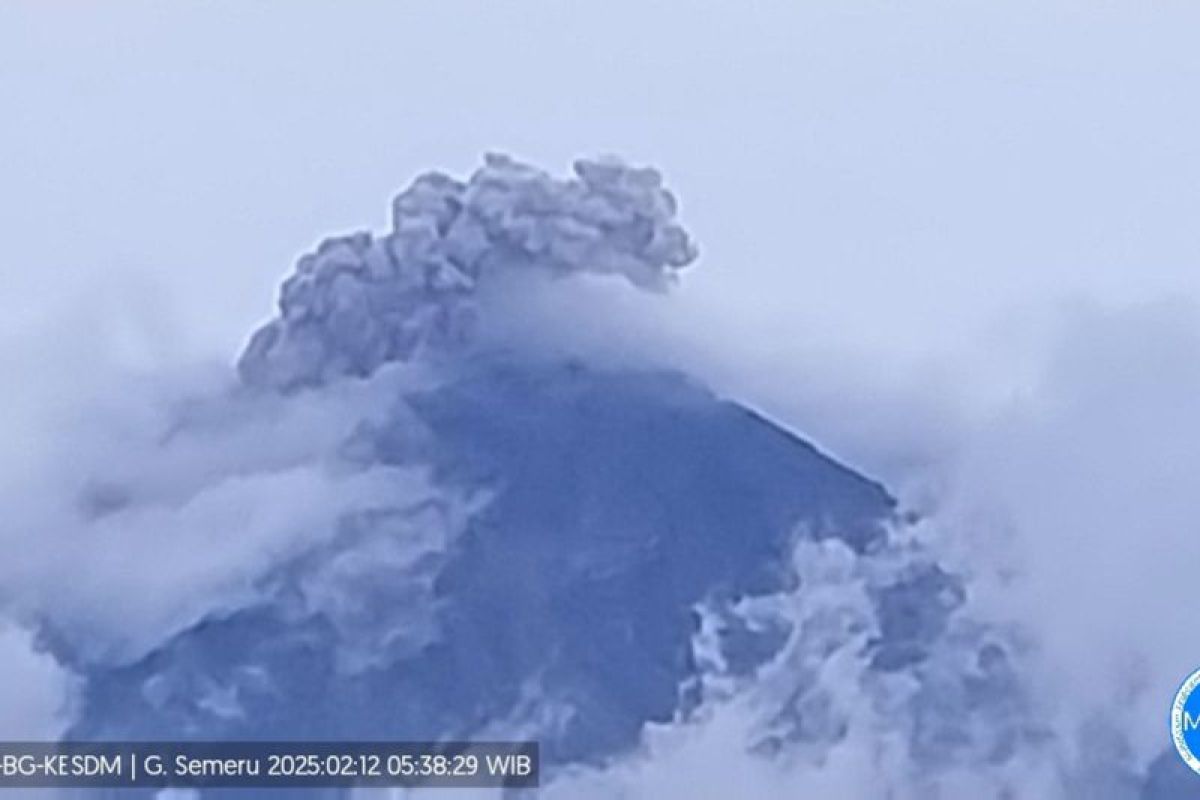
<point x="35" y="692"/>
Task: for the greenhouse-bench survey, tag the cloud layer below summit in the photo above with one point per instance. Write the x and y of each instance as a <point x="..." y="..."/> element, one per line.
<point x="956" y="246"/>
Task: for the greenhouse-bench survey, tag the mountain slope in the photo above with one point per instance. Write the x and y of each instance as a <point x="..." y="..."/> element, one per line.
<point x="612" y="505"/>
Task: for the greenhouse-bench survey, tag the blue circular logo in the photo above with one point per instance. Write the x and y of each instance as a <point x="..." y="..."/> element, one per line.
<point x="1185" y="721"/>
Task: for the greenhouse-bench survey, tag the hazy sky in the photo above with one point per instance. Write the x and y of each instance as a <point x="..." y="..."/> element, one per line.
<point x="892" y="182"/>
<point x="882" y="172"/>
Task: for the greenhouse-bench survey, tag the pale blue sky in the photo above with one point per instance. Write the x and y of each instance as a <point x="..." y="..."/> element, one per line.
<point x="886" y="170"/>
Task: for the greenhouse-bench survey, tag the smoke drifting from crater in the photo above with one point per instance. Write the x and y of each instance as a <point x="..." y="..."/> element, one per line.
<point x="1084" y="468"/>
<point x="361" y="301"/>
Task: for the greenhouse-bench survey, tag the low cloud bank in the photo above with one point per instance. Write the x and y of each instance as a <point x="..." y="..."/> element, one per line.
<point x="1057" y="482"/>
<point x="139" y="501"/>
<point x="35" y="693"/>
<point x="1056" y="478"/>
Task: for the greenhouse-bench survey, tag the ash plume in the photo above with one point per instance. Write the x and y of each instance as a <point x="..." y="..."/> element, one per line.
<point x="361" y="301"/>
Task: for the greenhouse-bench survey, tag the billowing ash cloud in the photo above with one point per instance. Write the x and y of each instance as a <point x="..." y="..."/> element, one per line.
<point x="361" y="301"/>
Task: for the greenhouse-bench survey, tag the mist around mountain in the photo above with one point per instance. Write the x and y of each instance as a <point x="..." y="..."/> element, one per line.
<point x="390" y="524"/>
